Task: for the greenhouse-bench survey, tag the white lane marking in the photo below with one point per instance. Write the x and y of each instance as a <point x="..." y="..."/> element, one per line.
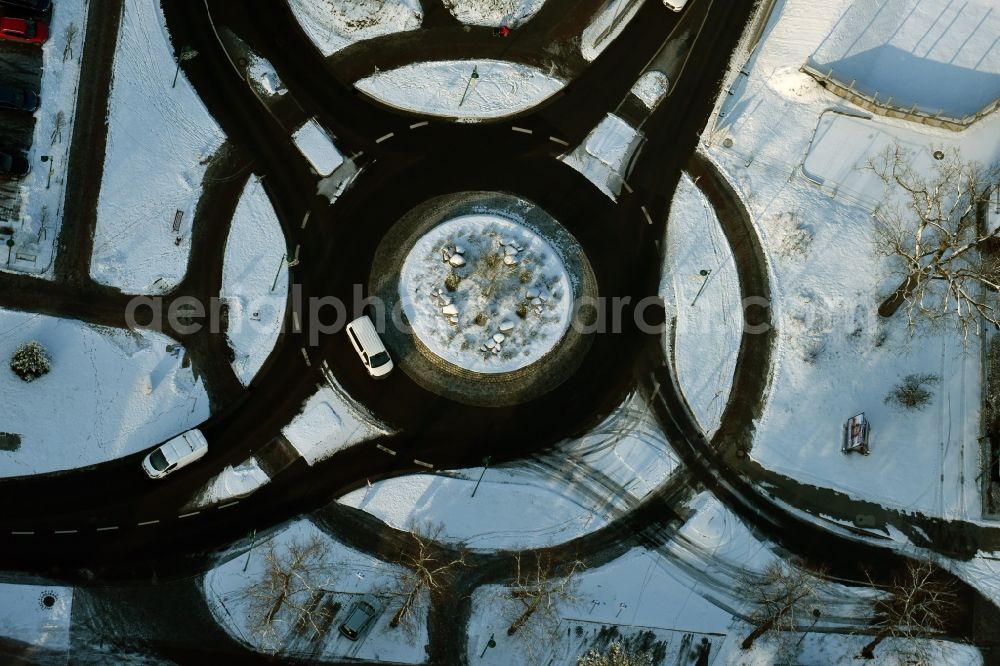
<point x="64" y="531"/>
<point x="148" y="522"/>
<point x="23" y="532"/>
<point x="226" y="506"/>
<point x="305" y="355"/>
<point x="559" y="141"/>
<point x="305" y="220"/>
<point x="423" y="464"/>
<point x="420" y="124"/>
<point x="521" y="129"/>
<point x="386" y="449"/>
<point x="645" y="212"/>
<point x="628" y="188"/>
<point x="107" y="529"/>
<point x="385" y="137"/>
<point x="188" y="515"/>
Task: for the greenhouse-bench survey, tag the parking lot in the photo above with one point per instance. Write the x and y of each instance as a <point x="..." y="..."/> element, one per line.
<point x="20" y="65"/>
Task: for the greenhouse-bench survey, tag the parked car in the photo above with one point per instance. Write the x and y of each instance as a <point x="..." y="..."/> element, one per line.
<point x="361" y="616"/>
<point x="31" y="5"/>
<point x="18" y="99"/>
<point x="25" y="30"/>
<point x="675" y="5"/>
<point x="369" y="346"/>
<point x="176" y="453"/>
<point x="13" y="164"/>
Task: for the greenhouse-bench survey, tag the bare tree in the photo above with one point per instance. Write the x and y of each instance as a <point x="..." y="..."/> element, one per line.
<point x="616" y="655"/>
<point x="781" y="595"/>
<point x="288" y="596"/>
<point x="426" y="569"/>
<point x="541" y="588"/>
<point x="917" y="603"/>
<point x="928" y="225"/>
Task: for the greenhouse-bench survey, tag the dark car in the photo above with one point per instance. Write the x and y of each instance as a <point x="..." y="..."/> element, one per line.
<point x="13" y="164"/>
<point x="30" y="5"/>
<point x="361" y="615"/>
<point x="18" y="99"/>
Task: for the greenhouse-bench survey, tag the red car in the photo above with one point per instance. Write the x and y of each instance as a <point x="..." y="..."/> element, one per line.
<point x="28" y="31"/>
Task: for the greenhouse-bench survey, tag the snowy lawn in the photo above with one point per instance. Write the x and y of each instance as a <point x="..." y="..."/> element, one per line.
<point x="436" y="88"/>
<point x="109" y="393"/>
<point x="330" y="421"/>
<point x="38" y="615"/>
<point x="230" y="484"/>
<point x="255" y="255"/>
<point x="510" y="13"/>
<point x="936" y="54"/>
<point x="835" y="356"/>
<point x="334" y="24"/>
<point x="606" y="26"/>
<point x="344" y="574"/>
<point x="486" y="293"/>
<point x="165" y="137"/>
<point x="605" y="154"/>
<point x="576" y="489"/>
<point x="709" y="329"/>
<point x="40" y="198"/>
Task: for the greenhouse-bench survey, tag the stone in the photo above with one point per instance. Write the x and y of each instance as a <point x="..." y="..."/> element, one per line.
<point x="506" y="241"/>
<point x="510" y="249"/>
<point x="450" y="310"/>
<point x="490" y="344"/>
<point x="457" y="260"/>
<point x="506" y="326"/>
<point x="499" y="337"/>
<point x="532" y="293"/>
<point x="536" y="301"/>
<point x="459" y="249"/>
<point x="509" y="260"/>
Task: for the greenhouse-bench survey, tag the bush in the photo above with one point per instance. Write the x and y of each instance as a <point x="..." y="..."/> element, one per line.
<point x="912" y="393"/>
<point x="451" y="282"/>
<point x="522" y="310"/>
<point x="30" y="361"/>
<point x="615" y="656"/>
<point x="480" y="319"/>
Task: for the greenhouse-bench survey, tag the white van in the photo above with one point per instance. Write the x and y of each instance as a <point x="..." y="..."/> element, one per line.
<point x="178" y="452"/>
<point x="675" y="5"/>
<point x="369" y="346"/>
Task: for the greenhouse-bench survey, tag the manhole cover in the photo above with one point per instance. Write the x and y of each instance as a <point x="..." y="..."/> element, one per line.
<point x="47" y="600"/>
<point x="727" y="142"/>
<point x="938" y="155"/>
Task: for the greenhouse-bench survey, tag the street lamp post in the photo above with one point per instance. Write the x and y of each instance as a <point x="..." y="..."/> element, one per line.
<point x="475" y="75"/>
<point x="186" y="54"/>
<point x="10" y="248"/>
<point x="253" y="540"/>
<point x="486" y="466"/>
<point x="704" y="273"/>
<point x="816" y="615"/>
<point x="489" y="644"/>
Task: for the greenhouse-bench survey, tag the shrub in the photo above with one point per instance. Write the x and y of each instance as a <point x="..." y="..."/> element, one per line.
<point x="522" y="310"/>
<point x="480" y="319"/>
<point x="451" y="282"/>
<point x="912" y="393"/>
<point x="30" y="361"/>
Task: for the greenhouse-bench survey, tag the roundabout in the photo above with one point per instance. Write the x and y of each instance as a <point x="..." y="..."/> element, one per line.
<point x="491" y="299"/>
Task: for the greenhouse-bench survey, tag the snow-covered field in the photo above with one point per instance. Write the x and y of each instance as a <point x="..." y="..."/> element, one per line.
<point x="333" y="24"/>
<point x="604" y="155"/>
<point x="936" y="54"/>
<point x="437" y="88"/>
<point x="709" y="323"/>
<point x="834" y="353"/>
<point x="231" y="483"/>
<point x="575" y="489"/>
<point x="606" y="26"/>
<point x="39" y="210"/>
<point x="494" y="13"/>
<point x="109" y="393"/>
<point x="510" y="302"/>
<point x="330" y="421"/>
<point x="163" y="137"/>
<point x="344" y="574"/>
<point x="255" y="255"/>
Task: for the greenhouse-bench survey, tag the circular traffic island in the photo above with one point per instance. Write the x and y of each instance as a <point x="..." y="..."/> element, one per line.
<point x="485" y="299"/>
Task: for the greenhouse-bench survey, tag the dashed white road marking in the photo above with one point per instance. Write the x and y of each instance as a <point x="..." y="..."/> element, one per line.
<point x="305" y="355"/>
<point x="22" y="532"/>
<point x="386" y="449"/>
<point x="385" y="137"/>
<point x="188" y="515"/>
<point x="628" y="188"/>
<point x="107" y="529"/>
<point x="423" y="464"/>
<point x="422" y="123"/>
<point x="305" y="220"/>
<point x="148" y="522"/>
<point x="558" y="140"/>
<point x="522" y="130"/>
<point x="645" y="212"/>
<point x="225" y="506"/>
<point x="64" y="531"/>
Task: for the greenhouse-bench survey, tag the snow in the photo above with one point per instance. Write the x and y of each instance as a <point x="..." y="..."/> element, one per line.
<point x="232" y="483"/>
<point x="574" y="489"/>
<point x="38" y="210"/>
<point x="606" y="26"/>
<point x="528" y="274"/>
<point x="255" y="253"/>
<point x="263" y="74"/>
<point x="494" y="13"/>
<point x="317" y="147"/>
<point x="651" y="88"/>
<point x="348" y="574"/>
<point x="605" y="154"/>
<point x="436" y="88"/>
<point x="333" y="25"/>
<point x="24" y="617"/>
<point x="110" y="392"/>
<point x="163" y="133"/>
<point x="708" y="330"/>
<point x="935" y="54"/>
<point x="833" y="351"/>
<point x="330" y="421"/>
